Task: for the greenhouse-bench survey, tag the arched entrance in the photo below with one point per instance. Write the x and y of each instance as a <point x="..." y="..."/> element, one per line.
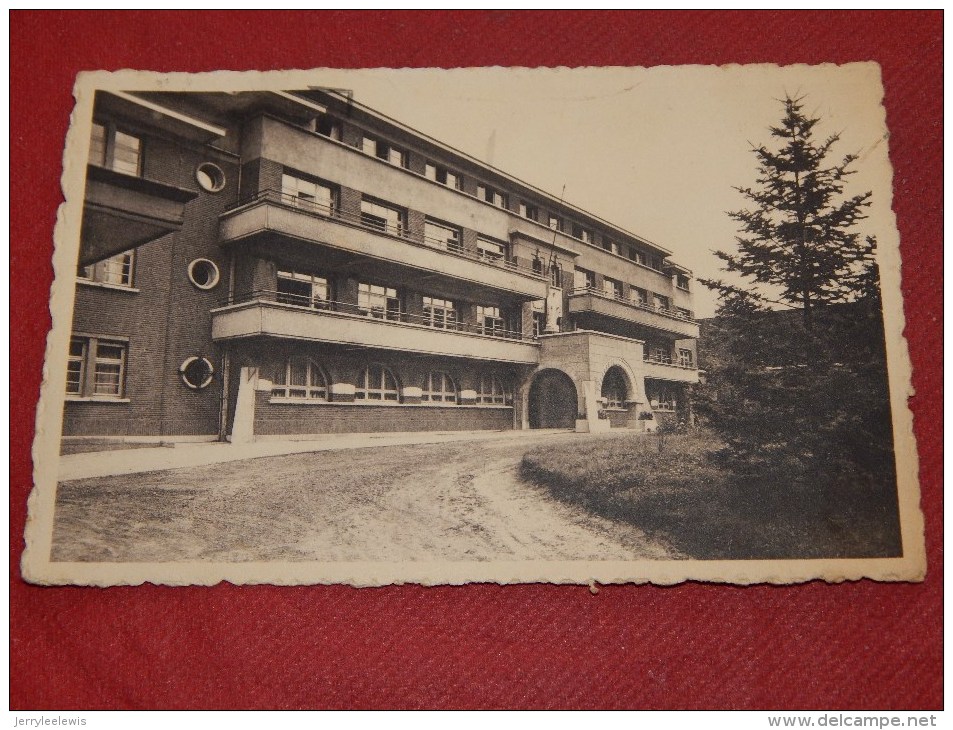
<point x="552" y="400"/>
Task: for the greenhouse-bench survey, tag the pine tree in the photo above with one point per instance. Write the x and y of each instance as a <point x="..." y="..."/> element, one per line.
<point x="798" y="235"/>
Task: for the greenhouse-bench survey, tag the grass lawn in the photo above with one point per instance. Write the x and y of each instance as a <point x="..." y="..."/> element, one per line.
<point x="682" y="496"/>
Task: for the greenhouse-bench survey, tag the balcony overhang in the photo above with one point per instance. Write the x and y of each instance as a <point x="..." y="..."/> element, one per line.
<point x="283" y="321"/>
<point x="265" y="221"/>
<point x="121" y="212"/>
<point x="671" y="372"/>
<point x="593" y="303"/>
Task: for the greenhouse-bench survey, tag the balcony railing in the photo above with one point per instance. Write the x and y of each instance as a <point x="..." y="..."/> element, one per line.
<point x="379" y="225"/>
<point x="382" y="313"/>
<point x="665" y="312"/>
<point x="658" y="360"/>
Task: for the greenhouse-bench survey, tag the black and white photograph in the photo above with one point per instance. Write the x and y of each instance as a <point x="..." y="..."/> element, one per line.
<point x="380" y="326"/>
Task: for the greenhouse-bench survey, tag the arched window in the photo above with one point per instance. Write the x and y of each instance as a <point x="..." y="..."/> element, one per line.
<point x="438" y="388"/>
<point x="491" y="391"/>
<point x="613" y="388"/>
<point x="376" y="383"/>
<point x="300" y="377"/>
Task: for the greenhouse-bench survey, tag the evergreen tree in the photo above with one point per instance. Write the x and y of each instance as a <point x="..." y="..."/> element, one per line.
<point x="797" y="234"/>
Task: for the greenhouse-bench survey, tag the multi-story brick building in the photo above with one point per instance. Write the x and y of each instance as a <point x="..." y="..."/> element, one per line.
<point x="274" y="264"/>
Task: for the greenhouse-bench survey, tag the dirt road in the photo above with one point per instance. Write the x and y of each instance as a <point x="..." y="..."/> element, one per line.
<point x="453" y="501"/>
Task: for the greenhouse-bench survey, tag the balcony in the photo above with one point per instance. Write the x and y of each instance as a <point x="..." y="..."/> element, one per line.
<point x="272" y="217"/>
<point x="666" y="369"/>
<point x="593" y="301"/>
<point x="123" y="211"/>
<point x="275" y="314"/>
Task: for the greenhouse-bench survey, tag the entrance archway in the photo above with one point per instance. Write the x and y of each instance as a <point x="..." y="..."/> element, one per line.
<point x="552" y="400"/>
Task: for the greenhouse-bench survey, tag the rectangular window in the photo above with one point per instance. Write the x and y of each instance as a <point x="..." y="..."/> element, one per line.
<point x="528" y="211"/>
<point x="382" y="217"/>
<point x="581" y="233"/>
<point x="490" y="320"/>
<point x="309" y="195"/>
<point x="442" y="175"/>
<point x="442" y="235"/>
<point x="303" y="290"/>
<point x="114" y="149"/>
<point x="381" y="302"/>
<point x="96" y="368"/>
<point x="686" y="358"/>
<point x="611" y="246"/>
<point x="491" y="250"/>
<point x="686" y="313"/>
<point x="681" y="281"/>
<point x="584" y="279"/>
<point x="555" y="222"/>
<point x="500" y="200"/>
<point x="328" y="127"/>
<point x="637" y="256"/>
<point x="440" y="313"/>
<point x="638" y="296"/>
<point x="384" y="151"/>
<point x="76" y="366"/>
<point x="661" y="397"/>
<point x="612" y="288"/>
<point x="659" y="301"/>
<point x="539" y="318"/>
<point x="116" y="270"/>
<point x="661" y="354"/>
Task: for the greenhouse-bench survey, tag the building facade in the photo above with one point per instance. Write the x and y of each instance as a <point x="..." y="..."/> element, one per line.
<point x="288" y="264"/>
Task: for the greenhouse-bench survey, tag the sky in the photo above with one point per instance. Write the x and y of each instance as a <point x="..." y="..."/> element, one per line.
<point x="656" y="151"/>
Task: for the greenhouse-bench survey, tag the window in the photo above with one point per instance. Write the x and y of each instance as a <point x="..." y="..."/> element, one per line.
<point x="442" y="235"/>
<point x="500" y="200"/>
<point x="659" y="301"/>
<point x="442" y="175"/>
<point x="116" y="270"/>
<point x="376" y="383"/>
<point x="539" y="318"/>
<point x="581" y="233"/>
<point x="491" y="391"/>
<point x="384" y="151"/>
<point x="611" y="246"/>
<point x="654" y="262"/>
<point x="114" y="149"/>
<point x="300" y="377"/>
<point x="529" y="211"/>
<point x="637" y="256"/>
<point x="378" y="301"/>
<point x="490" y="320"/>
<point x="686" y="313"/>
<point x="612" y="288"/>
<point x="96" y="368"/>
<point x="307" y="194"/>
<point x="440" y="313"/>
<point x="660" y="354"/>
<point x="328" y="127"/>
<point x="584" y="279"/>
<point x="438" y="388"/>
<point x="490" y="250"/>
<point x="555" y="222"/>
<point x="203" y="273"/>
<point x="686" y="358"/>
<point x="556" y="275"/>
<point x="662" y="397"/>
<point x="210" y="177"/>
<point x="613" y="388"/>
<point x="638" y="296"/>
<point x="382" y="217"/>
<point x="303" y="290"/>
<point x="681" y="281"/>
<point x="197" y="372"/>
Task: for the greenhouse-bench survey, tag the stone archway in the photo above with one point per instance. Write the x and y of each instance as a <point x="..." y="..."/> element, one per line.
<point x="553" y="402"/>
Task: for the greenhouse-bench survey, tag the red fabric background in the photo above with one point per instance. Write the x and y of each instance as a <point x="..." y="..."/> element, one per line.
<point x="861" y="645"/>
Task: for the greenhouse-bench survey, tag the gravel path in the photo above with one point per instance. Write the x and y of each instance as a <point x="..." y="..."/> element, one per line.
<point x="453" y="501"/>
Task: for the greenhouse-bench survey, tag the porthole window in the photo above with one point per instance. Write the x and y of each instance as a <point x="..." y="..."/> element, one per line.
<point x="203" y="273"/>
<point x="210" y="177"/>
<point x="196" y="372"/>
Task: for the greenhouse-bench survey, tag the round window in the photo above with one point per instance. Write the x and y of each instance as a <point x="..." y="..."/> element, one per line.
<point x="203" y="273"/>
<point x="196" y="372"/>
<point x="210" y="177"/>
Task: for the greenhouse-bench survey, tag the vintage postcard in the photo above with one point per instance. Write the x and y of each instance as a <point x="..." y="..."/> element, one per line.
<point x="380" y="326"/>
